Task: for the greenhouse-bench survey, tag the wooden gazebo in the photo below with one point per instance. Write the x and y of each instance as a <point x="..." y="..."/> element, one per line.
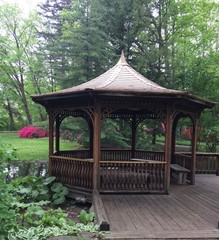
<point x="123" y="93"/>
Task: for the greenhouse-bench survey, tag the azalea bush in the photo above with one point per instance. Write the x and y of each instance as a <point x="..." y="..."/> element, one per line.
<point x="210" y="137"/>
<point x="32" y="132"/>
<point x="68" y="135"/>
<point x="188" y="133"/>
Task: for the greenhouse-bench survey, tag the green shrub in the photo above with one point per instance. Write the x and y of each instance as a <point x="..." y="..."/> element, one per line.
<point x="7" y="152"/>
<point x="85" y="217"/>
<point x="35" y="189"/>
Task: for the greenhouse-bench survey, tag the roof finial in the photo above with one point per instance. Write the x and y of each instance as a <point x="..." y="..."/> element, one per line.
<point x="122" y="60"/>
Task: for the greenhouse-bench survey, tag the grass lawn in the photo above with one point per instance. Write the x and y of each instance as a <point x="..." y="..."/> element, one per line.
<point x="33" y="148"/>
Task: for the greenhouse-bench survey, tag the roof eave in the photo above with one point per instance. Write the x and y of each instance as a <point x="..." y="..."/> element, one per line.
<point x="43" y="99"/>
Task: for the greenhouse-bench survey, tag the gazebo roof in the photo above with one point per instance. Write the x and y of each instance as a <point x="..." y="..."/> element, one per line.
<point x="122" y="79"/>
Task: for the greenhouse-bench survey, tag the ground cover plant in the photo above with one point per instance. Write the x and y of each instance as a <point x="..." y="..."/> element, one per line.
<point x="30" y="207"/>
<point x="32" y="148"/>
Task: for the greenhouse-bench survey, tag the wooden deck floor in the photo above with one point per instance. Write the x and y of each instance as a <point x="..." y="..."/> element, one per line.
<point x="188" y="212"/>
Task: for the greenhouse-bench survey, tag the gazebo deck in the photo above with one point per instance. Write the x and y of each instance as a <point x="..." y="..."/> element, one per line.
<point x="188" y="212"/>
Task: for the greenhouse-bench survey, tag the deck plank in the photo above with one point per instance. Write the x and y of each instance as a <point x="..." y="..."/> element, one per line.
<point x="136" y="208"/>
<point x="187" y="212"/>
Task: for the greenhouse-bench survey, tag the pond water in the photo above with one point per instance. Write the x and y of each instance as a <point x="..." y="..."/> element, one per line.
<point x="25" y="168"/>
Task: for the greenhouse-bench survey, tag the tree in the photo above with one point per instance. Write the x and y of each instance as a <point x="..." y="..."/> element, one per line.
<point x="19" y="64"/>
<point x="52" y="48"/>
<point x="88" y="48"/>
<point x="15" y="38"/>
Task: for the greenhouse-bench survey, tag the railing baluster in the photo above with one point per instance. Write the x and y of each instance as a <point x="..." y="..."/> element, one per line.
<point x="205" y="162"/>
<point x="132" y="176"/>
<point x="74" y="172"/>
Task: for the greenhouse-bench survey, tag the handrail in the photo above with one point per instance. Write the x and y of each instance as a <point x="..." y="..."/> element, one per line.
<point x="134" y="162"/>
<point x="72" y="159"/>
<point x="182" y="155"/>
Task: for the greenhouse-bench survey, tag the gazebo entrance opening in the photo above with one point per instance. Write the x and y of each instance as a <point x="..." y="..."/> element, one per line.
<point x="120" y="93"/>
<point x="120" y="170"/>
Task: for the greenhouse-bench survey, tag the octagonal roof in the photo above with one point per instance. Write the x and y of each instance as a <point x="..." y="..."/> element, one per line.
<point x="121" y="79"/>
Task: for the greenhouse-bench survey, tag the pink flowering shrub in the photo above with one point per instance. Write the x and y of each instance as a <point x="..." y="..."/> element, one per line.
<point x="32" y="132"/>
<point x="188" y="133"/>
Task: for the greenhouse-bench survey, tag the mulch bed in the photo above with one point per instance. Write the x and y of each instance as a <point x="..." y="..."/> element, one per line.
<point x="73" y="209"/>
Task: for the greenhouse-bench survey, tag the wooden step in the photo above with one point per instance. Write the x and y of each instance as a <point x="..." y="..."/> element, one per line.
<point x="165" y="234"/>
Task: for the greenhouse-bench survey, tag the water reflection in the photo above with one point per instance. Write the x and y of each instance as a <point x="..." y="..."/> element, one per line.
<point x="25" y="168"/>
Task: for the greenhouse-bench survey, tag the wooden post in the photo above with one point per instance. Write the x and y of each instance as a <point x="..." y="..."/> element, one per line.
<point x="51" y="140"/>
<point x="96" y="145"/>
<point x="134" y="127"/>
<point x="217" y="164"/>
<point x="193" y="160"/>
<point x="57" y="135"/>
<point x="173" y="140"/>
<point x="168" y="149"/>
<point x="91" y="139"/>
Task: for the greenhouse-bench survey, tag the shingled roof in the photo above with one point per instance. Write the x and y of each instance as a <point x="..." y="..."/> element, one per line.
<point x="121" y="78"/>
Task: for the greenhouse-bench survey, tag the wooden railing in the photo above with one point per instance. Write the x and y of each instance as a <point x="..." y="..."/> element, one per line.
<point x="206" y="163"/>
<point x="115" y="155"/>
<point x="156" y="156"/>
<point x="121" y="173"/>
<point x="72" y="171"/>
<point x="123" y="155"/>
<point x="183" y="160"/>
<point x="131" y="176"/>
<point x="82" y="154"/>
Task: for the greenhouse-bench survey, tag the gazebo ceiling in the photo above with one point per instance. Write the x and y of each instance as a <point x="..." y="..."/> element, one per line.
<point x="123" y="81"/>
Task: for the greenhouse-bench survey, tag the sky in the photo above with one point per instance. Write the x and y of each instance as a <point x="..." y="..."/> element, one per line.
<point x="25" y="5"/>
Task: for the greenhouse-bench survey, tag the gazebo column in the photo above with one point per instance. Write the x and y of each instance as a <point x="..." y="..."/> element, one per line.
<point x="57" y="135"/>
<point x="96" y="145"/>
<point x="91" y="139"/>
<point x="173" y="143"/>
<point x="134" y="127"/>
<point x="51" y="140"/>
<point x="168" y="143"/>
<point x="194" y="145"/>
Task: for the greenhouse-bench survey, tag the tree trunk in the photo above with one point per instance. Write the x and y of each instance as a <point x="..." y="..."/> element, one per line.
<point x="11" y="117"/>
<point x="26" y="108"/>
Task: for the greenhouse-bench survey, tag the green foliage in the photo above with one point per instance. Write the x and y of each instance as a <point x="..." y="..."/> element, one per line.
<point x="59" y="193"/>
<point x="83" y="31"/>
<point x="147" y="134"/>
<point x="85" y="217"/>
<point x="37" y="216"/>
<point x="37" y="189"/>
<point x="32" y="188"/>
<point x="113" y="135"/>
<point x="23" y="204"/>
<point x="73" y="128"/>
<point x="43" y="233"/>
<point x="211" y="138"/>
<point x="8" y="213"/>
<point x="7" y="152"/>
<point x="23" y="216"/>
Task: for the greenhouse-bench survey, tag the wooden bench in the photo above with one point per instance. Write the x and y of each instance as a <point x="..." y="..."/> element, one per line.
<point x="179" y="173"/>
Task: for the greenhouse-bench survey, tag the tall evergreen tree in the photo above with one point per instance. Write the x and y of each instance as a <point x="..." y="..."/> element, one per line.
<point x="50" y="36"/>
<point x="88" y="44"/>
